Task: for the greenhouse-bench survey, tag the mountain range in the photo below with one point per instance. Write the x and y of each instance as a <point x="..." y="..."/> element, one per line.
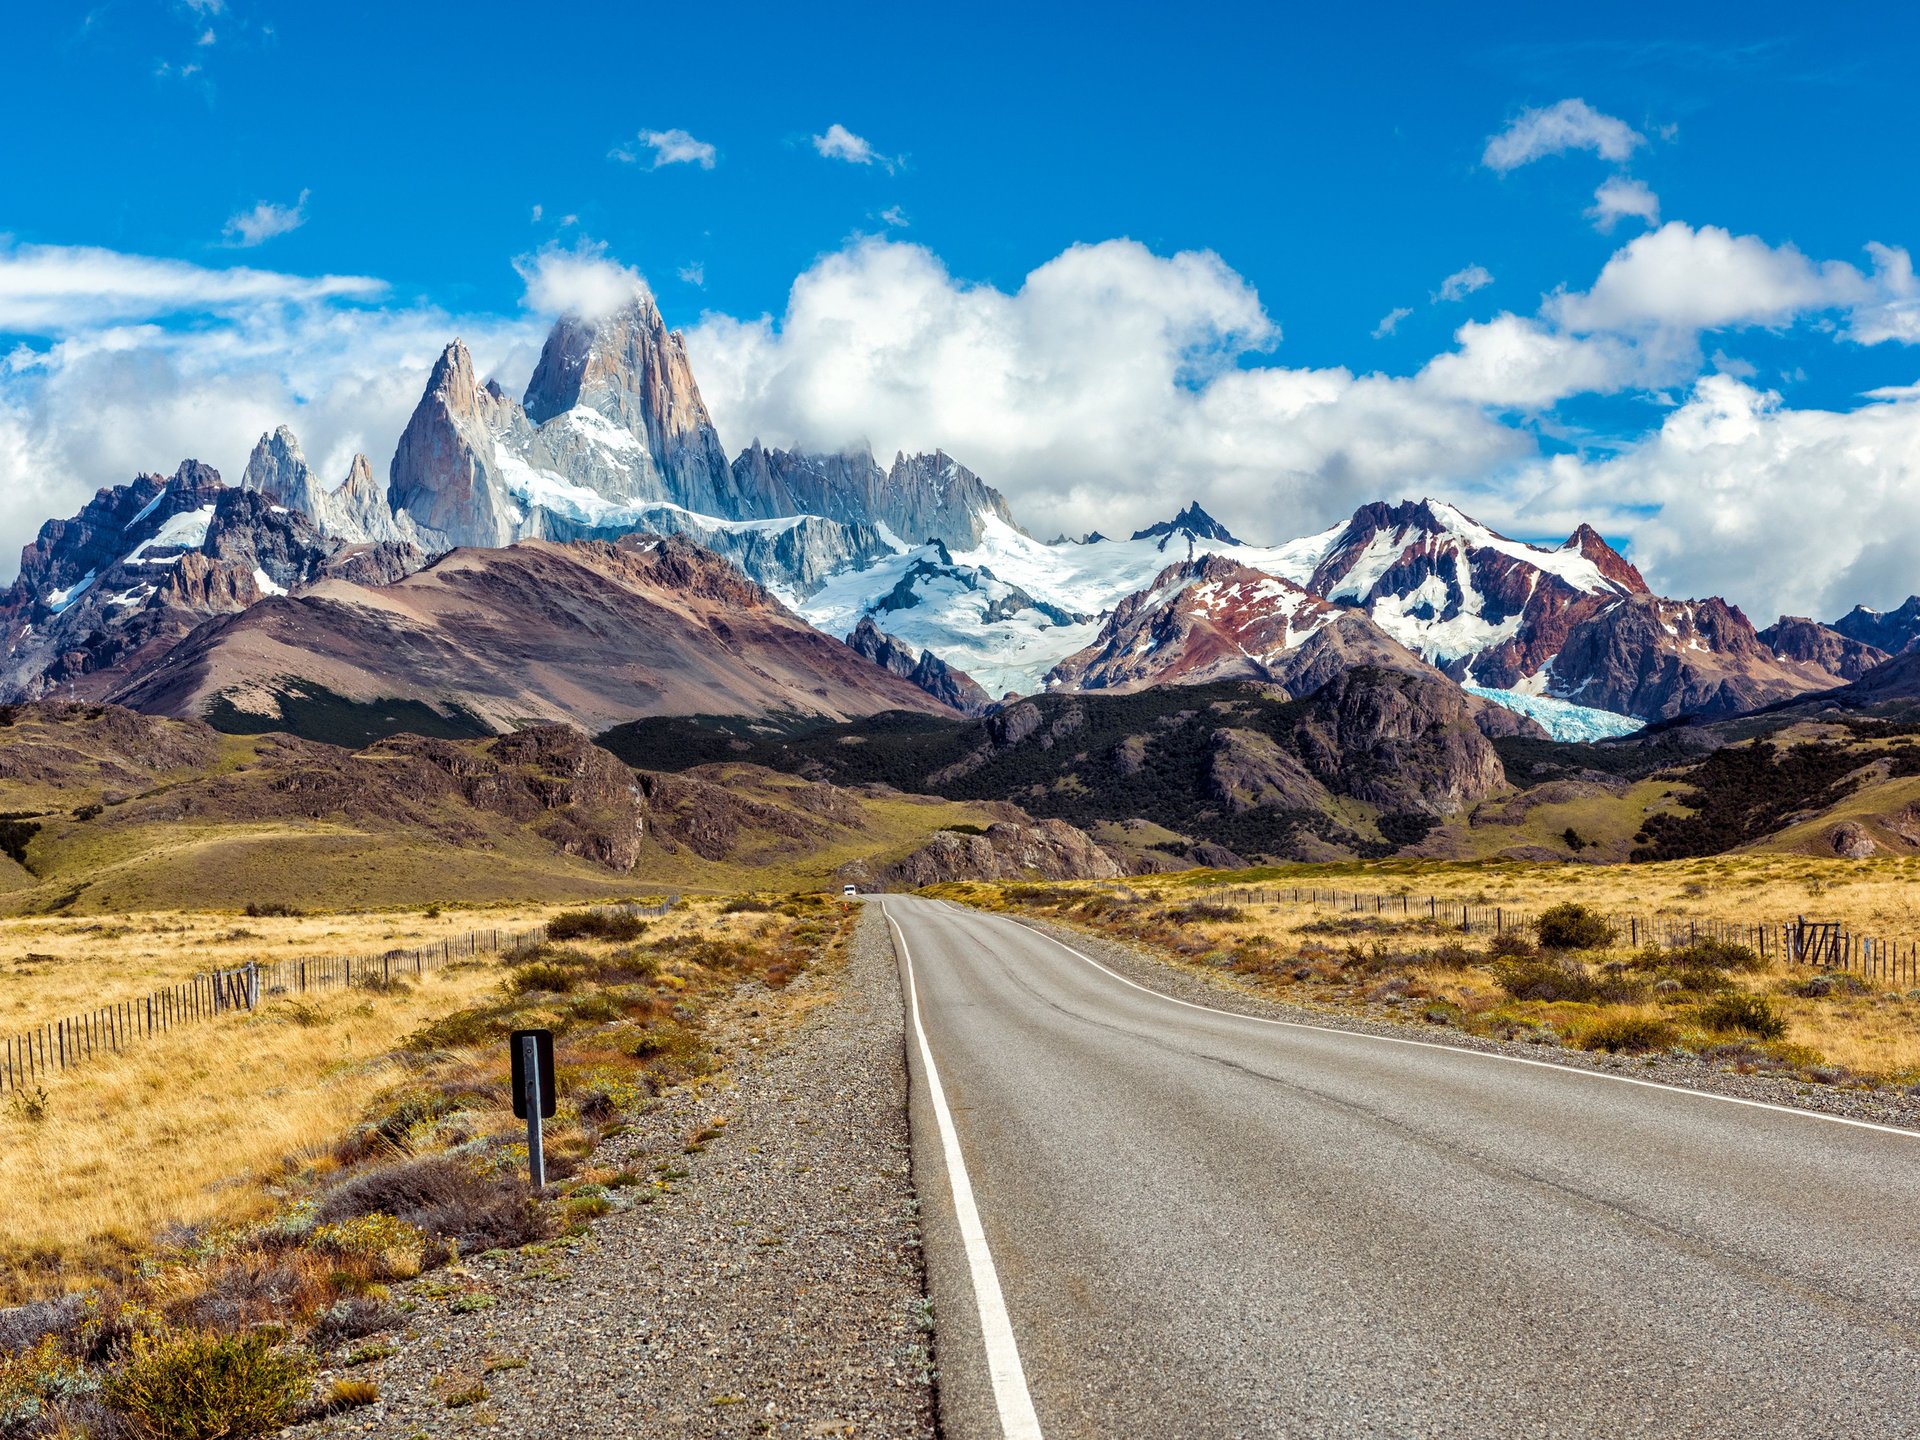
<point x="588" y="552"/>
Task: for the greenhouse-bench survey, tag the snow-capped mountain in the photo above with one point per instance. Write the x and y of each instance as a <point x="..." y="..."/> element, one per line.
<point x="116" y="586"/>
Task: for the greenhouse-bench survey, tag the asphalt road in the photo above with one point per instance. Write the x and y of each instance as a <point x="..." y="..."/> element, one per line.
<point x="1197" y="1224"/>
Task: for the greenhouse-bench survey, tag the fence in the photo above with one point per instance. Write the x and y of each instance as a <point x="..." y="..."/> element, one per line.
<point x="58" y="1046"/>
<point x="1826" y="944"/>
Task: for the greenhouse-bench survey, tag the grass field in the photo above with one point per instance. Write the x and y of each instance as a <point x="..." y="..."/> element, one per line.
<point x="1738" y="1010"/>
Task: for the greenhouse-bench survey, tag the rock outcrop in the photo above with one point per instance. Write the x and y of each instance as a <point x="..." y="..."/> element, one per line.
<point x="926" y="670"/>
<point x="1026" y="849"/>
<point x="1807" y="642"/>
<point x="447" y="478"/>
<point x="1400" y="741"/>
<point x="925" y="497"/>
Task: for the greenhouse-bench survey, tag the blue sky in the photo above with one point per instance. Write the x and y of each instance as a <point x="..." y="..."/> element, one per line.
<point x="1330" y="167"/>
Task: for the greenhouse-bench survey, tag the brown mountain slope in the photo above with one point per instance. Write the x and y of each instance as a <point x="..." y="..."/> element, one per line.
<point x="590" y="633"/>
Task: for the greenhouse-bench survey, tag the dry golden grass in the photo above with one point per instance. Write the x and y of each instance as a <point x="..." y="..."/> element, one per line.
<point x="1315" y="954"/>
<point x="180" y="1128"/>
<point x="51" y="968"/>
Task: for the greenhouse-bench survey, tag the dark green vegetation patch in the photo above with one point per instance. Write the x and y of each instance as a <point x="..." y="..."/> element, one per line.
<point x="314" y="712"/>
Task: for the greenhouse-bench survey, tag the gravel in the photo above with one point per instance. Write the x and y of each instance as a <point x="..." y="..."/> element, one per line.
<point x="776" y="1288"/>
<point x="1881" y="1105"/>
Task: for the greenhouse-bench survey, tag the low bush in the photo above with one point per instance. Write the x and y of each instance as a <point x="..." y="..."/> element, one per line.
<point x="1204" y="911"/>
<point x="1712" y="955"/>
<point x="1832" y="982"/>
<point x="748" y="905"/>
<point x="596" y="925"/>
<point x="1452" y="956"/>
<point x="197" y="1386"/>
<point x="1512" y="946"/>
<point x="1627" y="1033"/>
<point x="260" y="910"/>
<point x="541" y="977"/>
<point x="1743" y="1013"/>
<point x="1573" y="926"/>
<point x="443" y="1198"/>
<point x="352" y="1318"/>
<point x="1541" y="979"/>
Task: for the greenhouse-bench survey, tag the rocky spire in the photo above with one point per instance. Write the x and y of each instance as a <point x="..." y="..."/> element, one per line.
<point x="445" y="475"/>
<point x="629" y="369"/>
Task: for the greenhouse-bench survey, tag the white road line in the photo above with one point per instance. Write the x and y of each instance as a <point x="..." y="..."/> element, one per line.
<point x="1463" y="1050"/>
<point x="1017" y="1420"/>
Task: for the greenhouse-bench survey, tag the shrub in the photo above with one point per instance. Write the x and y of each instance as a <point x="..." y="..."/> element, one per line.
<point x="346" y="1395"/>
<point x="748" y="905"/>
<point x="1451" y="956"/>
<point x="1573" y="926"/>
<point x="1629" y="1033"/>
<point x="197" y="1386"/>
<point x="352" y="1318"/>
<point x="595" y="925"/>
<point x="1205" y="911"/>
<point x="389" y="1247"/>
<point x="260" y="910"/>
<point x="1544" y="980"/>
<point x="1833" y="982"/>
<point x="443" y="1198"/>
<point x="35" y="1381"/>
<point x="541" y="977"/>
<point x="1714" y="955"/>
<point x="1747" y="1014"/>
<point x="1512" y="946"/>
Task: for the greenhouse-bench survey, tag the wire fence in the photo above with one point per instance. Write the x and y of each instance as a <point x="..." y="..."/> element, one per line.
<point x="34" y="1056"/>
<point x="1825" y="944"/>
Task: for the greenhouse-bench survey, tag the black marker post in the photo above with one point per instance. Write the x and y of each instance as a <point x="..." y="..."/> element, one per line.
<point x="533" y="1094"/>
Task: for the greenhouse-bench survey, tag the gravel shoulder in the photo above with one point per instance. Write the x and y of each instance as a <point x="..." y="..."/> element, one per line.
<point x="774" y="1287"/>
<point x="1882" y="1106"/>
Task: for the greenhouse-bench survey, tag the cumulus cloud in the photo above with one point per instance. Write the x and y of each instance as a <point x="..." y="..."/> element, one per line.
<point x="1621" y="198"/>
<point x="840" y="143"/>
<point x="1556" y="129"/>
<point x="1463" y="283"/>
<point x="1390" y="321"/>
<point x="1737" y="494"/>
<point x="1708" y="279"/>
<point x="1515" y="363"/>
<point x="1112" y="382"/>
<point x="264" y="221"/>
<point x="581" y="281"/>
<point x="667" y="147"/>
<point x="131" y="364"/>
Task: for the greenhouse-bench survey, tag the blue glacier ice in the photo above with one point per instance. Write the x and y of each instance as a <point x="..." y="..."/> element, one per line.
<point x="1562" y="718"/>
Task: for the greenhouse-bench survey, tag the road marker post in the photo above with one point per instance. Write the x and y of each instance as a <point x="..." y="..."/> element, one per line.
<point x="534" y="1095"/>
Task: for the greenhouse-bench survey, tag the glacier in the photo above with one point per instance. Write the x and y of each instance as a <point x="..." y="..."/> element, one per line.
<point x="1562" y="719"/>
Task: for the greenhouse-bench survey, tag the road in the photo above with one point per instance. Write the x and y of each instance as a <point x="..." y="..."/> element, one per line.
<point x="1194" y="1224"/>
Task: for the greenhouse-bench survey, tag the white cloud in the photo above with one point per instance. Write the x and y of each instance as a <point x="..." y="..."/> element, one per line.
<point x="264" y="221"/>
<point x="206" y="37"/>
<point x="538" y="211"/>
<point x="1682" y="278"/>
<point x="667" y="147"/>
<point x="1463" y="283"/>
<point x="1741" y="496"/>
<point x="1390" y="321"/>
<point x="893" y="215"/>
<point x="1620" y="198"/>
<point x="1555" y="129"/>
<point x="840" y="143"/>
<point x="694" y="272"/>
<point x="1515" y="363"/>
<point x="138" y="363"/>
<point x="1109" y="386"/>
<point x="65" y="289"/>
<point x="582" y="281"/>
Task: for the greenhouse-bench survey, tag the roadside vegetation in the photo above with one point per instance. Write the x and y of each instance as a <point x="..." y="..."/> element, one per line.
<point x="1566" y="979"/>
<point x="300" y="1241"/>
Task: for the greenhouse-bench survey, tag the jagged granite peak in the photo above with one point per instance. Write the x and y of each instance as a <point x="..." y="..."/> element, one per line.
<point x="1191" y="521"/>
<point x="446" y="478"/>
<point x="1808" y="642"/>
<point x="921" y="498"/>
<point x="927" y="670"/>
<point x="630" y="370"/>
<point x="278" y="469"/>
<point x="1895" y="631"/>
